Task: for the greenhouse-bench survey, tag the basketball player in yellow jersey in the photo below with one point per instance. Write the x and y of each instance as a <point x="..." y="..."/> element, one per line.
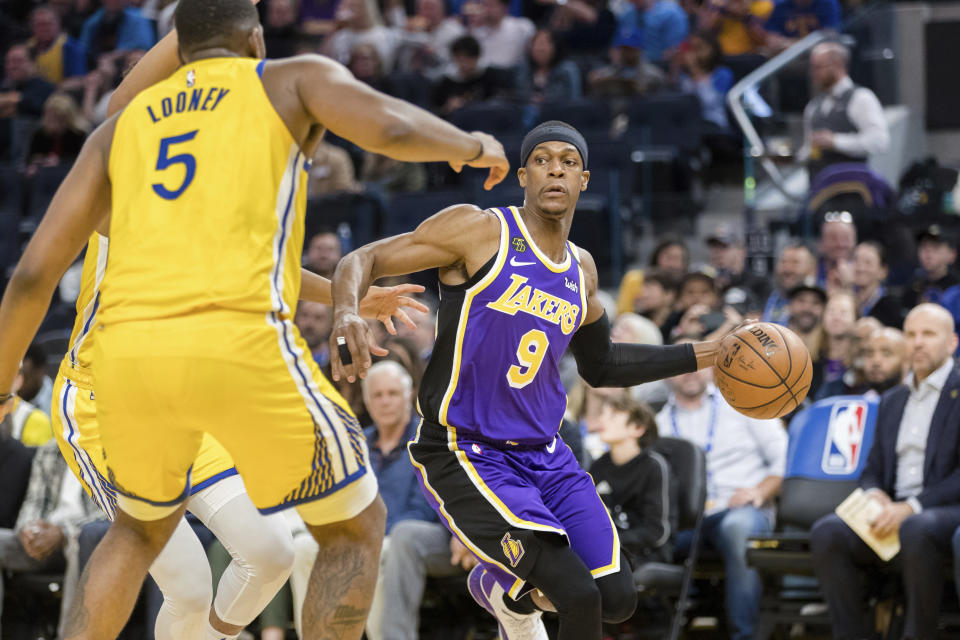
<point x="205" y="175"/>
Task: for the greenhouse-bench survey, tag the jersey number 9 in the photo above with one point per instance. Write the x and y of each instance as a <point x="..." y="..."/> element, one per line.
<point x="530" y="354"/>
<point x="165" y="161"/>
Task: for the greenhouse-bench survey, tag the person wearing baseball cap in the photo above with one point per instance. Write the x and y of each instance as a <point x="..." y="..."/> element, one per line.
<point x="936" y="253"/>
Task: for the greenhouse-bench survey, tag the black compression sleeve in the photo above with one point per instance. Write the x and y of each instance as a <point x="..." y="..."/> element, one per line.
<point x="604" y="364"/>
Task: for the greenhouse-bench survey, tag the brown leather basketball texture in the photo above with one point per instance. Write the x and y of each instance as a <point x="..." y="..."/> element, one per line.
<point x="763" y="370"/>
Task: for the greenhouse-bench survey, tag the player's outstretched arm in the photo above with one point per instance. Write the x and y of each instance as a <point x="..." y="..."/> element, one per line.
<point x="459" y="235"/>
<point x="380" y="303"/>
<point x="78" y="206"/>
<point x="388" y="126"/>
<point x="605" y="364"/>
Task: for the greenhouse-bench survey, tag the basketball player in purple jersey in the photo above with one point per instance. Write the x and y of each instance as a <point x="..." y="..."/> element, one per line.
<point x="515" y="293"/>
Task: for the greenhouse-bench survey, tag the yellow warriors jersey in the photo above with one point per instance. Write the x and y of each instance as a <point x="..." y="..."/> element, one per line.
<point x="80" y="354"/>
<point x="209" y="192"/>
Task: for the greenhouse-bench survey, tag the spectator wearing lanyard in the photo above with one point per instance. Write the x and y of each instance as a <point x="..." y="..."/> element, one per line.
<point x="745" y="464"/>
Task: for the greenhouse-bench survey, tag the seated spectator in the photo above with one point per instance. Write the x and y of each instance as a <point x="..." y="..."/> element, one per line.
<point x="23" y="93"/>
<point x="838" y="239"/>
<point x="425" y="332"/>
<point x="114" y="29"/>
<point x="36" y="387"/>
<point x="323" y="252"/>
<point x="662" y="23"/>
<point x="671" y="256"/>
<point x="60" y="58"/>
<point x="936" y="253"/>
<point x="634" y="481"/>
<point x="698" y="297"/>
<point x="280" y="32"/>
<point x="331" y="171"/>
<point x="702" y="75"/>
<point x="585" y="27"/>
<point x="392" y="176"/>
<point x="60" y="136"/>
<point x="360" y="22"/>
<point x="318" y="17"/>
<point x="912" y="471"/>
<point x="426" y="43"/>
<point x="314" y="321"/>
<point x="791" y="20"/>
<point x="738" y="24"/>
<point x="795" y="264"/>
<point x="629" y="73"/>
<point x="503" y="38"/>
<point x="836" y="346"/>
<point x="366" y="66"/>
<point x="805" y="313"/>
<point x="881" y="359"/>
<point x="404" y="351"/>
<point x="53" y="511"/>
<point x="656" y="300"/>
<point x="745" y="464"/>
<point x="728" y="257"/>
<point x="545" y="76"/>
<point x="869" y="273"/>
<point x="470" y="81"/>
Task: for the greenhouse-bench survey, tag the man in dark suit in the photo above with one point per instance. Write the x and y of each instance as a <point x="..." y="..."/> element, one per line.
<point x="913" y="469"/>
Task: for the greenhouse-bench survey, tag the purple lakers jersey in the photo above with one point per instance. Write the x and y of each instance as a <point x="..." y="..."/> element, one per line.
<point x="500" y="336"/>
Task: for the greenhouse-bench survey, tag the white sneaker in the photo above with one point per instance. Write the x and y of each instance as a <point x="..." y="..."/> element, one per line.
<point x="513" y="626"/>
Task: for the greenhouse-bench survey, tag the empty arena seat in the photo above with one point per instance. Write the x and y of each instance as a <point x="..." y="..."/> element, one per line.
<point x="670" y="120"/>
<point x="404" y="211"/>
<point x="494" y="117"/>
<point x="43" y="185"/>
<point x="361" y="211"/>
<point x="590" y="116"/>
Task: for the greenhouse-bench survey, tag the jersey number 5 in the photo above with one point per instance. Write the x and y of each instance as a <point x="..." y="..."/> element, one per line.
<point x="530" y="354"/>
<point x="165" y="161"/>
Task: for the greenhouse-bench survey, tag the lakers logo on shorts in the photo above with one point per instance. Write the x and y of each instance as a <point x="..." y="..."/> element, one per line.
<point x="513" y="549"/>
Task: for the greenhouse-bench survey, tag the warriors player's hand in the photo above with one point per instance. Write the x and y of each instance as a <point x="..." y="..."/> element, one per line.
<point x="352" y="334"/>
<point x="382" y="303"/>
<point x="491" y="156"/>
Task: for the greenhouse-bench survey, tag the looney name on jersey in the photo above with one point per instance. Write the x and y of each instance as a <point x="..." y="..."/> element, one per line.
<point x="520" y="296"/>
<point x="187" y="101"/>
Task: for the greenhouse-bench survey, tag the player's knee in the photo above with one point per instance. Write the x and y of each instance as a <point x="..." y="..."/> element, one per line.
<point x="580" y="598"/>
<point x="271" y="557"/>
<point x="188" y="597"/>
<point x="618" y="605"/>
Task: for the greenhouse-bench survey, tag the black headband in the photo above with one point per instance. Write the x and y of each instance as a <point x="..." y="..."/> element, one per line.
<point x="552" y="131"/>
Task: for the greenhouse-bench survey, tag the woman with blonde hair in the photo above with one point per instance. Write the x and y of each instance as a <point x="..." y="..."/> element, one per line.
<point x="60" y="135"/>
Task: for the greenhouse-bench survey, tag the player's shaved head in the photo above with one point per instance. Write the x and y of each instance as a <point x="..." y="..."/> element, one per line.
<point x="212" y="24"/>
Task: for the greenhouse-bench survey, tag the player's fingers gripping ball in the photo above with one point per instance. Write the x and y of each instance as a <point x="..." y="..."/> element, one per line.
<point x="763" y="370"/>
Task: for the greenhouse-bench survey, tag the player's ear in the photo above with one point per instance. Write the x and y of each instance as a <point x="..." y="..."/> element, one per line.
<point x="256" y="43"/>
<point x="584" y="179"/>
<point x="522" y="176"/>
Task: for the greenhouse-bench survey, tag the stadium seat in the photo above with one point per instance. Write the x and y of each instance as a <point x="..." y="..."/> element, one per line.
<point x="670" y="120"/>
<point x="404" y="211"/>
<point x="828" y="448"/>
<point x="591" y="117"/>
<point x="494" y="117"/>
<point x="43" y="185"/>
<point x="361" y="211"/>
<point x="688" y="467"/>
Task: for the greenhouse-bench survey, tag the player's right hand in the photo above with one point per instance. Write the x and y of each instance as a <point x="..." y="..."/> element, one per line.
<point x="492" y="157"/>
<point x="359" y="342"/>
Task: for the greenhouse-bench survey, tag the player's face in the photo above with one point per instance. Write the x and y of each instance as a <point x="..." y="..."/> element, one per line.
<point x="614" y="428"/>
<point x="553" y="178"/>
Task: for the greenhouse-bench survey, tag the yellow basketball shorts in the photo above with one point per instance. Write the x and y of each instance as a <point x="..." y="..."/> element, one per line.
<point x="249" y="381"/>
<point x="74" y="418"/>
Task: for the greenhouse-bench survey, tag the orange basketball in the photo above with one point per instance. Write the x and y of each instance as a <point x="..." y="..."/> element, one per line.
<point x="763" y="370"/>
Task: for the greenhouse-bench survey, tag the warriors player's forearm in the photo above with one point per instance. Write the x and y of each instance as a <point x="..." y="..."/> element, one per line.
<point x="315" y="288"/>
<point x="158" y="63"/>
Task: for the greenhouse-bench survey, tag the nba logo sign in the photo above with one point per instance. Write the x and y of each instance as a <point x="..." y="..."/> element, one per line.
<point x="841" y="451"/>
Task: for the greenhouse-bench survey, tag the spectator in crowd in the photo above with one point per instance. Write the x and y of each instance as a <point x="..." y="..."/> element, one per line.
<point x="36" y="387"/>
<point x="911" y="471"/>
<point x="469" y="81"/>
<point x="60" y="136"/>
<point x="503" y="38"/>
<point x="323" y="253"/>
<point x="738" y="24"/>
<point x="671" y="256"/>
<point x="331" y="171"/>
<point x="60" y="58"/>
<point x="634" y="481"/>
<point x="881" y="360"/>
<point x="314" y="320"/>
<point x="795" y="264"/>
<point x="836" y="346"/>
<point x="366" y="65"/>
<point x="702" y="75"/>
<point x="663" y="23"/>
<point x="545" y="76"/>
<point x="838" y="239"/>
<point x="360" y="22"/>
<point x="791" y="20"/>
<point x="937" y="253"/>
<point x="657" y="296"/>
<point x="698" y="306"/>
<point x="393" y="176"/>
<point x="745" y="464"/>
<point x="425" y="333"/>
<point x="22" y="95"/>
<point x="318" y="17"/>
<point x="404" y="351"/>
<point x="805" y="318"/>
<point x="280" y="32"/>
<point x="115" y="28"/>
<point x="53" y="511"/>
<point x="629" y="72"/>
<point x="585" y="27"/>
<point x="429" y="34"/>
<point x="728" y="257"/>
<point x="869" y="274"/>
<point x="843" y="122"/>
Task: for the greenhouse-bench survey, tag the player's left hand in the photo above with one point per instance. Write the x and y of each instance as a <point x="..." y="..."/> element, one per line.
<point x="382" y="303"/>
<point x="357" y="342"/>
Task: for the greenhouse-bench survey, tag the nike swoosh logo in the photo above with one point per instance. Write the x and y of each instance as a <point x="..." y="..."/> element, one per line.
<point x="514" y="263"/>
<point x="552" y="445"/>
